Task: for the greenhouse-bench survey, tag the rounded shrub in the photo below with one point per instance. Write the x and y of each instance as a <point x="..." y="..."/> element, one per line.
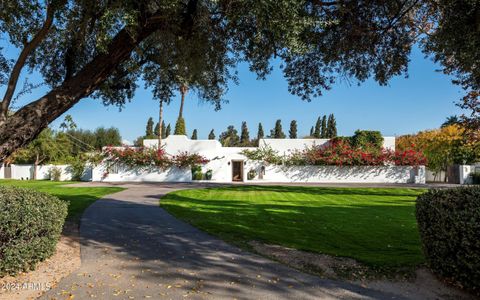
<point x="30" y="225"/>
<point x="449" y="224"/>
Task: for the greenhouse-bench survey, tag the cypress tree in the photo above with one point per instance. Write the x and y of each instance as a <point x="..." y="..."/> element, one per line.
<point x="318" y="128"/>
<point x="277" y="132"/>
<point x="149" y="128"/>
<point x="194" y="135"/>
<point x="180" y="127"/>
<point x="156" y="131"/>
<point x="260" y="133"/>
<point x="292" y="133"/>
<point x="211" y="135"/>
<point x="164" y="130"/>
<point x="311" y="132"/>
<point x="168" y="131"/>
<point x="244" y="135"/>
<point x="332" y="127"/>
<point x="323" y="133"/>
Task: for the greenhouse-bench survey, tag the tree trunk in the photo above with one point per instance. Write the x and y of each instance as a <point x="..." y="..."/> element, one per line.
<point x="23" y="126"/>
<point x="183" y="91"/>
<point x="160" y="120"/>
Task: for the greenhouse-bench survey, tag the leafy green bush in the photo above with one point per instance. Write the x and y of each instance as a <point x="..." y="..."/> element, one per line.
<point x="197" y="172"/>
<point x="30" y="226"/>
<point x="449" y="224"/>
<point x="208" y="174"/>
<point x="251" y="174"/>
<point x="77" y="167"/>
<point x="55" y="173"/>
<point x="367" y="140"/>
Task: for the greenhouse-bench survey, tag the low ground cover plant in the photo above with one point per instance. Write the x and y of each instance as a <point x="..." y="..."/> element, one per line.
<point x="449" y="225"/>
<point x="30" y="225"/>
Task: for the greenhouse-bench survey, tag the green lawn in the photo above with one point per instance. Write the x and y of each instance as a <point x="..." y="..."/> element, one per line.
<point x="375" y="226"/>
<point x="79" y="198"/>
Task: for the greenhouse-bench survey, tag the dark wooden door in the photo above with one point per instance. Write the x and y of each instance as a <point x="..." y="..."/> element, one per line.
<point x="237" y="171"/>
<point x="453" y="174"/>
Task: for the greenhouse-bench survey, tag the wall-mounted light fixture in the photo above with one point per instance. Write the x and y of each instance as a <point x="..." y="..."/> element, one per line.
<point x="228" y="163"/>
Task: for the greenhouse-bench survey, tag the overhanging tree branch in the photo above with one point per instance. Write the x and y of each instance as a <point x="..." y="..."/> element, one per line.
<point x="17" y="68"/>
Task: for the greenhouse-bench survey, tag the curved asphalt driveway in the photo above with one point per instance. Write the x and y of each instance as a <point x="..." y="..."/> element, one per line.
<point x="133" y="249"/>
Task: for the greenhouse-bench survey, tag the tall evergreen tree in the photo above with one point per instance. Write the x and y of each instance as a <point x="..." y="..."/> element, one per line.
<point x="229" y="138"/>
<point x="168" y="131"/>
<point x="323" y="133"/>
<point x="312" y="132"/>
<point x="292" y="133"/>
<point x="164" y="130"/>
<point x="318" y="128"/>
<point x="149" y="128"/>
<point x="180" y="127"/>
<point x="156" y="131"/>
<point x="244" y="135"/>
<point x="260" y="133"/>
<point x="211" y="135"/>
<point x="194" y="135"/>
<point x="277" y="131"/>
<point x="331" y="127"/>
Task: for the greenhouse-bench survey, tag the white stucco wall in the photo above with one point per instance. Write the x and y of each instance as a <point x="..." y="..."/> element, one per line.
<point x="344" y="174"/>
<point x="26" y="172"/>
<point x="221" y="165"/>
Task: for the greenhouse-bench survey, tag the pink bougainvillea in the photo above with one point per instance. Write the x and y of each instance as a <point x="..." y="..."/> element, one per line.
<point x="133" y="157"/>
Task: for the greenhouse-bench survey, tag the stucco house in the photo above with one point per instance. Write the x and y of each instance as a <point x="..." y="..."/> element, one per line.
<point x="228" y="164"/>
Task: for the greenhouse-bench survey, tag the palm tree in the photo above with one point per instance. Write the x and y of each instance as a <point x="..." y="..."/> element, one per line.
<point x="452" y="120"/>
<point x="160" y="122"/>
<point x="183" y="91"/>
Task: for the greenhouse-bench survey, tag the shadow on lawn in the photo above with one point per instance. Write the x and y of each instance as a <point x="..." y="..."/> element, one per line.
<point x="151" y="239"/>
<point x="401" y="192"/>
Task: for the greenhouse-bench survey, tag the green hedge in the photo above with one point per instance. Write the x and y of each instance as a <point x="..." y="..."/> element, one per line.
<point x="30" y="225"/>
<point x="449" y="224"/>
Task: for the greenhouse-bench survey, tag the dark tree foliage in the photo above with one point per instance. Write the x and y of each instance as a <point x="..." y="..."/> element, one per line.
<point x="102" y="49"/>
<point x="244" y="135"/>
<point x="451" y="120"/>
<point x="277" y="131"/>
<point x="317" y="133"/>
<point x="194" y="135"/>
<point x="292" y="133"/>
<point x="331" y="127"/>
<point x="149" y="129"/>
<point x="156" y="131"/>
<point x="230" y="137"/>
<point x="211" y="135"/>
<point x="164" y="130"/>
<point x="312" y="132"/>
<point x="168" y="131"/>
<point x="323" y="130"/>
<point x="260" y="133"/>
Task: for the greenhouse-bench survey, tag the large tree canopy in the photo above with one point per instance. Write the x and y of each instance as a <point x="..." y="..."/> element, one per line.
<point x="101" y="48"/>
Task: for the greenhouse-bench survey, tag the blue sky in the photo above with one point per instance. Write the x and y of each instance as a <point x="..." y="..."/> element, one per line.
<point x="406" y="105"/>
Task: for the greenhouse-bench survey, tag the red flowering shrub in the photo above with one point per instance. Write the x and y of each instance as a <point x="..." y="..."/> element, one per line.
<point x="185" y="159"/>
<point x="340" y="153"/>
<point x="136" y="157"/>
<point x="409" y="158"/>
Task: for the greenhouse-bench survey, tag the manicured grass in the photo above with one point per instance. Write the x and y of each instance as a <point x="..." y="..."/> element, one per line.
<point x="79" y="198"/>
<point x="375" y="226"/>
